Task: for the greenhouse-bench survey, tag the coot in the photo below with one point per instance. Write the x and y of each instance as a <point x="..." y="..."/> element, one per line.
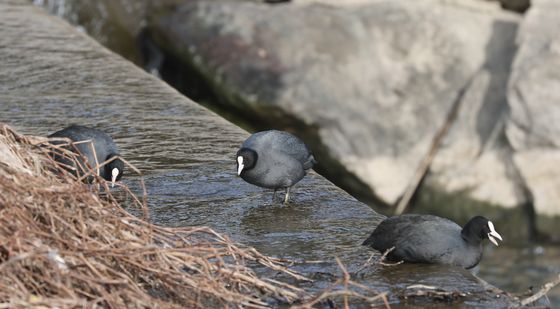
<point x="274" y="159"/>
<point x="105" y="149"/>
<point x="431" y="239"/>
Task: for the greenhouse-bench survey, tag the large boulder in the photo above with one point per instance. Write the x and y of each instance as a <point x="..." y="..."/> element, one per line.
<point x="371" y="84"/>
<point x="474" y="161"/>
<point x="533" y="128"/>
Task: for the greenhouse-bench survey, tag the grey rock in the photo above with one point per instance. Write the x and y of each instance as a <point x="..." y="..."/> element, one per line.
<point x="117" y="24"/>
<point x="533" y="128"/>
<point x="372" y="83"/>
<point x="475" y="158"/>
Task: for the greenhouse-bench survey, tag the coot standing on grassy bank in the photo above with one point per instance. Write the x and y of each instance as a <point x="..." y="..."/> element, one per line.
<point x="105" y="149"/>
<point x="274" y="160"/>
<point x="431" y="239"/>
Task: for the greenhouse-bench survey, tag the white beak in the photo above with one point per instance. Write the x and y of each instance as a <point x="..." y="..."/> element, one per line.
<point x="493" y="233"/>
<point x="114" y="174"/>
<point x="240" y="165"/>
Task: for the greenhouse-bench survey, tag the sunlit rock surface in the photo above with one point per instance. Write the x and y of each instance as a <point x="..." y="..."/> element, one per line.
<point x="534" y="99"/>
<point x="371" y="85"/>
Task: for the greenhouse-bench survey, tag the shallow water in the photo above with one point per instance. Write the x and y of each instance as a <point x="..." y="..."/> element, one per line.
<point x="191" y="180"/>
<point x="516" y="269"/>
<point x="186" y="156"/>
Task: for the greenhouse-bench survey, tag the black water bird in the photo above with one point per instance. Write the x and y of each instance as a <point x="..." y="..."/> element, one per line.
<point x="274" y="160"/>
<point x="431" y="239"/>
<point x="83" y="139"/>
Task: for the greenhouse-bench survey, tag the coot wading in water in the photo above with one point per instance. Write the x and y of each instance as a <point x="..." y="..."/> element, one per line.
<point x="432" y="239"/>
<point x="83" y="139"/>
<point x="274" y="160"/>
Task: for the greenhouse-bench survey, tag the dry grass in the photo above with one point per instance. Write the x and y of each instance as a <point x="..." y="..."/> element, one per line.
<point x="63" y="245"/>
<point x="66" y="244"/>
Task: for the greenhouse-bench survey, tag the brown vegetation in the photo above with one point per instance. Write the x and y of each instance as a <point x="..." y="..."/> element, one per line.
<point x="67" y="244"/>
<point x="61" y="244"/>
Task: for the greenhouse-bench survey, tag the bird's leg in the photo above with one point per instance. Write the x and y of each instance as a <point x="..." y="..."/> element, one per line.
<point x="274" y="195"/>
<point x="287" y="195"/>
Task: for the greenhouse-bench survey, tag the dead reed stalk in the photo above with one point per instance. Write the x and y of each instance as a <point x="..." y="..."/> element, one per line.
<point x="346" y="289"/>
<point x="66" y="244"/>
<point x="62" y="245"/>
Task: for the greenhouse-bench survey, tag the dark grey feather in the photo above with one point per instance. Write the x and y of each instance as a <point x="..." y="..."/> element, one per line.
<point x="424" y="239"/>
<point x="100" y="141"/>
<point x="283" y="159"/>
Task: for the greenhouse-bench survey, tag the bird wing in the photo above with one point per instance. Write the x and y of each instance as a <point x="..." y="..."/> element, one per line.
<point x="284" y="142"/>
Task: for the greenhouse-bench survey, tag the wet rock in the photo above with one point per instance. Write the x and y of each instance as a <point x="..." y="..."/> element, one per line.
<point x="533" y="128"/>
<point x="117" y="24"/>
<point x="372" y="84"/>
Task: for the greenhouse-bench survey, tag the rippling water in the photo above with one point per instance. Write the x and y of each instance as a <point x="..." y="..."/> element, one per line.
<point x="186" y="157"/>
<point x="189" y="171"/>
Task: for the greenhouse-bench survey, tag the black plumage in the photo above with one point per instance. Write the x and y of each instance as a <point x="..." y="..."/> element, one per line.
<point x="105" y="149"/>
<point x="274" y="159"/>
<point x="431" y="239"/>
